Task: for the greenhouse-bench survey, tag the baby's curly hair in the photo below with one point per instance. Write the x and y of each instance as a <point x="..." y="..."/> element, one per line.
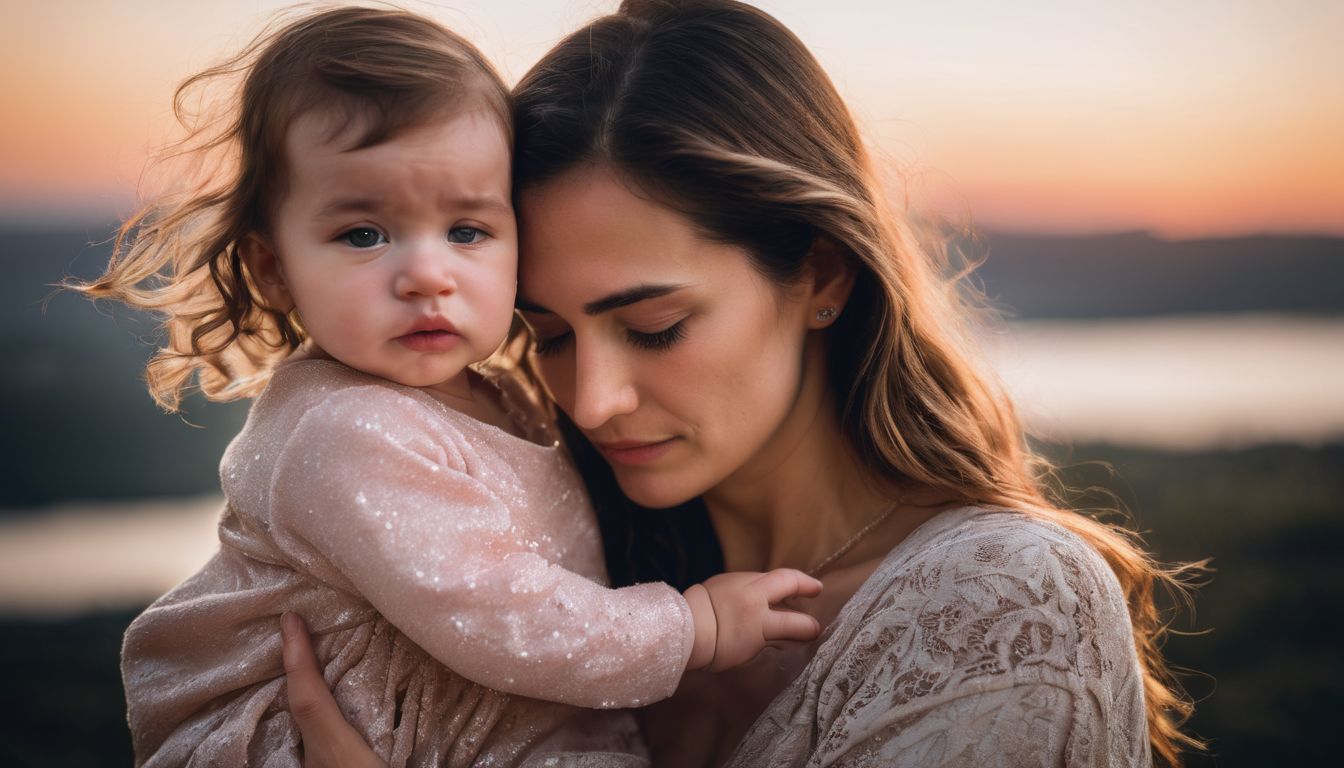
<point x="384" y="70"/>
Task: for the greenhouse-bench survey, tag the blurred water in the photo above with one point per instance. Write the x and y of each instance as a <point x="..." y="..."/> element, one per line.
<point x="1184" y="383"/>
<point x="1191" y="384"/>
<point x="79" y="558"/>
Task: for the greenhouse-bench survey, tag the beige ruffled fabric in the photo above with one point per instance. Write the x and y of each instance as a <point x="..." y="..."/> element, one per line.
<point x="451" y="574"/>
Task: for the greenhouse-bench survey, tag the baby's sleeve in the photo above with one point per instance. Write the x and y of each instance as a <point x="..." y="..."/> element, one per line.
<point x="369" y="496"/>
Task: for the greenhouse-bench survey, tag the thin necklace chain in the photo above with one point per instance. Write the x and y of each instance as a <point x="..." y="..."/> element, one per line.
<point x="855" y="539"/>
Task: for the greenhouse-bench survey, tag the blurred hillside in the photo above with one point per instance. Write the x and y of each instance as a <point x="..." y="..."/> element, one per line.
<point x="1135" y="274"/>
<point x="79" y="422"/>
<point x="1259" y="653"/>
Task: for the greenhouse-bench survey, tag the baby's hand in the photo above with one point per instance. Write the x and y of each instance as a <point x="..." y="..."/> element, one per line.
<point x="736" y="615"/>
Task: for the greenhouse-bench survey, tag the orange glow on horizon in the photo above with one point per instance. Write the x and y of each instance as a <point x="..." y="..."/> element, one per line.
<point x="1176" y="180"/>
<point x="1216" y="133"/>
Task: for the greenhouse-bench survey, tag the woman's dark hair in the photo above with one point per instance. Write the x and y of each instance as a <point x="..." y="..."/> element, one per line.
<point x="713" y="108"/>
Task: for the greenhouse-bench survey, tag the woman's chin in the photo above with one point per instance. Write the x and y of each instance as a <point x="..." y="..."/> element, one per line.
<point x="651" y="490"/>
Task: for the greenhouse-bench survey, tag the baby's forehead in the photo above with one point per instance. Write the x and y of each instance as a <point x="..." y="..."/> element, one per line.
<point x="348" y="124"/>
<point x="324" y="126"/>
<point x="461" y="161"/>
<point x="335" y="129"/>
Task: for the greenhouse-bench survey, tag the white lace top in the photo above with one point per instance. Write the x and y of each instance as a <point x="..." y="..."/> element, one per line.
<point x="985" y="638"/>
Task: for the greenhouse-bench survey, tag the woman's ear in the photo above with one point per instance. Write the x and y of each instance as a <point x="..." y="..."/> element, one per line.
<point x="832" y="271"/>
<point x="267" y="275"/>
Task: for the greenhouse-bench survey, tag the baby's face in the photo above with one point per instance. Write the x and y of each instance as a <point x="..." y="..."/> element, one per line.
<point x="401" y="257"/>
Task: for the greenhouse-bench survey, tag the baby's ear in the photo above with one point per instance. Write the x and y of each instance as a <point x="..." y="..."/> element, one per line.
<point x="267" y="276"/>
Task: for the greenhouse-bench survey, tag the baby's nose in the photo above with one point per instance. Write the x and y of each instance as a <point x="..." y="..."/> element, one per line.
<point x="426" y="271"/>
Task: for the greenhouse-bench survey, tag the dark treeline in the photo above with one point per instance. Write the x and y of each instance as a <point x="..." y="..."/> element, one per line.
<point x="1135" y="274"/>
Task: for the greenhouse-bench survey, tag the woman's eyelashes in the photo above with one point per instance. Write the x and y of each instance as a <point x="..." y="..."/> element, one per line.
<point x="658" y="339"/>
<point x="551" y="345"/>
<point x="655" y="340"/>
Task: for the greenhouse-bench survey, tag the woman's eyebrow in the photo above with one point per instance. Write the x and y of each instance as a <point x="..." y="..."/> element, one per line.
<point x="628" y="296"/>
<point x="607" y="303"/>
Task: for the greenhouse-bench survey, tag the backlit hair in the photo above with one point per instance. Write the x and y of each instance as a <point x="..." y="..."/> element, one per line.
<point x="718" y="111"/>
<point x="377" y="71"/>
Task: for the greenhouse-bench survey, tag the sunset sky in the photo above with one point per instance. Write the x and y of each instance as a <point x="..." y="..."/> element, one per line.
<point x="1189" y="119"/>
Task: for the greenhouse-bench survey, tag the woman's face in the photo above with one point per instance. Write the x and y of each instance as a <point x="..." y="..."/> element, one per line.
<point x="669" y="350"/>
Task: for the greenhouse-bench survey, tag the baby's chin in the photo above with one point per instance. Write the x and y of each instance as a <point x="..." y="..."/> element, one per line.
<point x="435" y="375"/>
<point x="455" y="384"/>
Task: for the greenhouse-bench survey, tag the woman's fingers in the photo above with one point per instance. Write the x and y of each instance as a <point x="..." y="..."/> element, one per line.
<point x="783" y="583"/>
<point x="308" y="694"/>
<point x="789" y="625"/>
<point x="328" y="740"/>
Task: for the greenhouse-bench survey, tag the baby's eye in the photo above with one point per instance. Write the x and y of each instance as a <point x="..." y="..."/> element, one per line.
<point x="465" y="235"/>
<point x="363" y="237"/>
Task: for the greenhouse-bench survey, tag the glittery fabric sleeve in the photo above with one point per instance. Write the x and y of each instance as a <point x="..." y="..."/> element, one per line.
<point x="380" y="495"/>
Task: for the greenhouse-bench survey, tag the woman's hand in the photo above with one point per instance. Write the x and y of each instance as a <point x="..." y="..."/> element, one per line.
<point x="328" y="740"/>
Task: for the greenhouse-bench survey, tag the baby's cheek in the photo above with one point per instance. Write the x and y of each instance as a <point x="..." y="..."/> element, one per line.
<point x="348" y="331"/>
<point x="496" y="306"/>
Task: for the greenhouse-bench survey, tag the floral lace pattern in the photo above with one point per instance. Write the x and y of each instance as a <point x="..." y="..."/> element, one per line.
<point x="986" y="638"/>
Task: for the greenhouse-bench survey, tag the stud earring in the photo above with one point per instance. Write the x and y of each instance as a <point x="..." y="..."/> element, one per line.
<point x="826" y="314"/>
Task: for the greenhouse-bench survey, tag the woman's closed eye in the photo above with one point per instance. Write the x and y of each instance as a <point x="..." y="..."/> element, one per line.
<point x="552" y="345"/>
<point x="657" y="340"/>
<point x="651" y="340"/>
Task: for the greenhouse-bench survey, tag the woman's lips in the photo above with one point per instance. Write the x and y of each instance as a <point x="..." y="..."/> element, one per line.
<point x="635" y="452"/>
<point x="430" y="341"/>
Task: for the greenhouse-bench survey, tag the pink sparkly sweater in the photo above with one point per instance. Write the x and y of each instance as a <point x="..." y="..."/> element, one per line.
<point x="451" y="575"/>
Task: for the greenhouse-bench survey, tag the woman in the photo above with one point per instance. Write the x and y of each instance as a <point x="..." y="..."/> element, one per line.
<point x="726" y="310"/>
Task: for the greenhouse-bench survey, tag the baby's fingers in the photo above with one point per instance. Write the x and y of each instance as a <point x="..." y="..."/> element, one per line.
<point x="789" y="625"/>
<point x="783" y="583"/>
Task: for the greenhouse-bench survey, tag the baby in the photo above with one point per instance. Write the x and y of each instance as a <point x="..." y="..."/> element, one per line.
<point x="421" y="516"/>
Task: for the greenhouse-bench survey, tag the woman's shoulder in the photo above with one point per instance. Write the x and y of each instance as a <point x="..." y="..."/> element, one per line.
<point x="964" y="547"/>
<point x="987" y="637"/>
<point x="979" y="575"/>
<point x="996" y="613"/>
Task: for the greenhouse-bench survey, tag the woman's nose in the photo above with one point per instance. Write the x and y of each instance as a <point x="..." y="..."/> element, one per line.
<point x="603" y="388"/>
<point x="425" y="270"/>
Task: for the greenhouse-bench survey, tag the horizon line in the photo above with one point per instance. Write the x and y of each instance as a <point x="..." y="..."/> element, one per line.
<point x="55" y="219"/>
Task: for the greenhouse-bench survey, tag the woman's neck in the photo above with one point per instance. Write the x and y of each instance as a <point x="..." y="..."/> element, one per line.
<point x="804" y="494"/>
